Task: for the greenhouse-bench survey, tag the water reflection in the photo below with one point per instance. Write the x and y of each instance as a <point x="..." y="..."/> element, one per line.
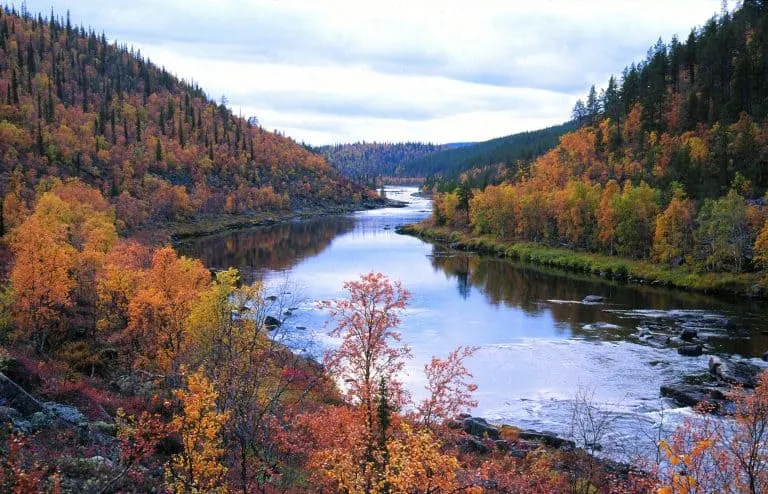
<point x="536" y="291"/>
<point x="538" y="341"/>
<point x="275" y="248"/>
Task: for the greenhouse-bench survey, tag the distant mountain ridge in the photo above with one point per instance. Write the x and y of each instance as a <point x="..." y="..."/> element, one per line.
<point x="484" y="159"/>
<point x="368" y="162"/>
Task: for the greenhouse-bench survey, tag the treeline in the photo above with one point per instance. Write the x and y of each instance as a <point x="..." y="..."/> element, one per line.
<point x="368" y="162"/>
<point x="488" y="162"/>
<point x="74" y="105"/>
<point x="650" y="174"/>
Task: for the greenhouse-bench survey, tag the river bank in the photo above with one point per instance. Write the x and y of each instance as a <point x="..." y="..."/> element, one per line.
<point x="617" y="268"/>
<point x="213" y="224"/>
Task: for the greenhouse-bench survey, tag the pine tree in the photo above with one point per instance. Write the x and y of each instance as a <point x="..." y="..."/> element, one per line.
<point x="593" y="105"/>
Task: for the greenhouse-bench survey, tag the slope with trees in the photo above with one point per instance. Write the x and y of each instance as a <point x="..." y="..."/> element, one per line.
<point x="485" y="162"/>
<point x="73" y="104"/>
<point x="667" y="164"/>
<point x="372" y="162"/>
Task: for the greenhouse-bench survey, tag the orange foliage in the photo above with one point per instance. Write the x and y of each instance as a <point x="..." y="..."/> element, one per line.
<point x="159" y="310"/>
<point x="198" y="467"/>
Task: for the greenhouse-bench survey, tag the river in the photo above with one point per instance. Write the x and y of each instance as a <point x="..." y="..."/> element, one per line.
<point x="541" y="349"/>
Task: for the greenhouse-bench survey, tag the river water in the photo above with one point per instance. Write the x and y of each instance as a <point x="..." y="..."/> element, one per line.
<point x="541" y="349"/>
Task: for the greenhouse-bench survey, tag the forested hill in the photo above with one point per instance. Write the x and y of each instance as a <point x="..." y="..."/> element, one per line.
<point x="692" y="112"/>
<point x="486" y="161"/>
<point x="369" y="161"/>
<point x="74" y="105"/>
<point x="670" y="163"/>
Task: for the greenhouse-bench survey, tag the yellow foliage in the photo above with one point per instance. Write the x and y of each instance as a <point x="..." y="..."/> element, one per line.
<point x="198" y="468"/>
<point x="416" y="464"/>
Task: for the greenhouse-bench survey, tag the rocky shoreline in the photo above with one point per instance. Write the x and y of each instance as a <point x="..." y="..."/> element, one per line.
<point x="482" y="437"/>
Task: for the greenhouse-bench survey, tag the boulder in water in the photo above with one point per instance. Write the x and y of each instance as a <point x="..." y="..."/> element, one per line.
<point x="734" y="372"/>
<point x="688" y="334"/>
<point x="594" y="299"/>
<point x="272" y="322"/>
<point x="691" y="395"/>
<point x="691" y="350"/>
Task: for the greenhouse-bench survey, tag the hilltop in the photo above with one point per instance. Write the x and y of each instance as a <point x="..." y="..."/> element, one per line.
<point x="73" y="105"/>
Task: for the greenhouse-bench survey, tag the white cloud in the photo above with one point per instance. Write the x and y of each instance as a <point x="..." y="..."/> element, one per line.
<point x="444" y="71"/>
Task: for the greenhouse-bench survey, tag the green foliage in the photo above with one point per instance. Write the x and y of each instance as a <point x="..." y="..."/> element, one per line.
<point x="369" y="161"/>
<point x="611" y="267"/>
<point x="724" y="232"/>
<point x="445" y="167"/>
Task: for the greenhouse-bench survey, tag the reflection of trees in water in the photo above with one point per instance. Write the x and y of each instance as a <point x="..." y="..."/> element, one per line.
<point x="277" y="247"/>
<point x="528" y="288"/>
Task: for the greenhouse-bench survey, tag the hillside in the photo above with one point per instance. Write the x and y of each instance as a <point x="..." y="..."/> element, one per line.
<point x="668" y="164"/>
<point x="483" y="158"/>
<point x="73" y="104"/>
<point x="366" y="162"/>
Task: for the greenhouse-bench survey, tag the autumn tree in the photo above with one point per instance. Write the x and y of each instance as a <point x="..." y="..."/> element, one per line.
<point x="159" y="311"/>
<point x="198" y="466"/>
<point x="258" y="378"/>
<point x="674" y="235"/>
<point x="42" y="275"/>
<point x="724" y="236"/>
<point x="417" y="465"/>
<point x="635" y="211"/>
<point x="746" y="438"/>
<point x="448" y="387"/>
<point x="369" y="349"/>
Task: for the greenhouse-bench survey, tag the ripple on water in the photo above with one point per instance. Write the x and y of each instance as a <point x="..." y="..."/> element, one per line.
<point x="534" y="383"/>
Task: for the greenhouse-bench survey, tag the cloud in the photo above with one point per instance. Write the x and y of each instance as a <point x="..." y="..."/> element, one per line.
<point x="432" y="68"/>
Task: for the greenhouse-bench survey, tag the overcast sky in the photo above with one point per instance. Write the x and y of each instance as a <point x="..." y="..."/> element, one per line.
<point x="326" y="71"/>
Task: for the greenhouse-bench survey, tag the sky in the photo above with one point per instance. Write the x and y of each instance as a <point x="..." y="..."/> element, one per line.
<point x="333" y="71"/>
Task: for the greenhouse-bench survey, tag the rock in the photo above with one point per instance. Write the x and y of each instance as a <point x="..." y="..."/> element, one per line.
<point x="471" y="445"/>
<point x="765" y="356"/>
<point x="15" y="397"/>
<point x="65" y="412"/>
<point x="40" y="420"/>
<point x="287" y="313"/>
<point x="691" y="350"/>
<point x="547" y="438"/>
<point x="690" y="395"/>
<point x="653" y="339"/>
<point x="8" y="415"/>
<point x="301" y="327"/>
<point x="100" y="461"/>
<point x="272" y="322"/>
<point x="479" y="427"/>
<point x="24" y="426"/>
<point x="689" y="334"/>
<point x="733" y="372"/>
<point x="503" y="445"/>
<point x="600" y="326"/>
<point x="593" y="299"/>
<point x="520" y="449"/>
<point x="272" y="298"/>
<point x="453" y="424"/>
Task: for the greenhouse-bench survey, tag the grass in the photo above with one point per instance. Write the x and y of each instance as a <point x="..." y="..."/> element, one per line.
<point x="611" y="267"/>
